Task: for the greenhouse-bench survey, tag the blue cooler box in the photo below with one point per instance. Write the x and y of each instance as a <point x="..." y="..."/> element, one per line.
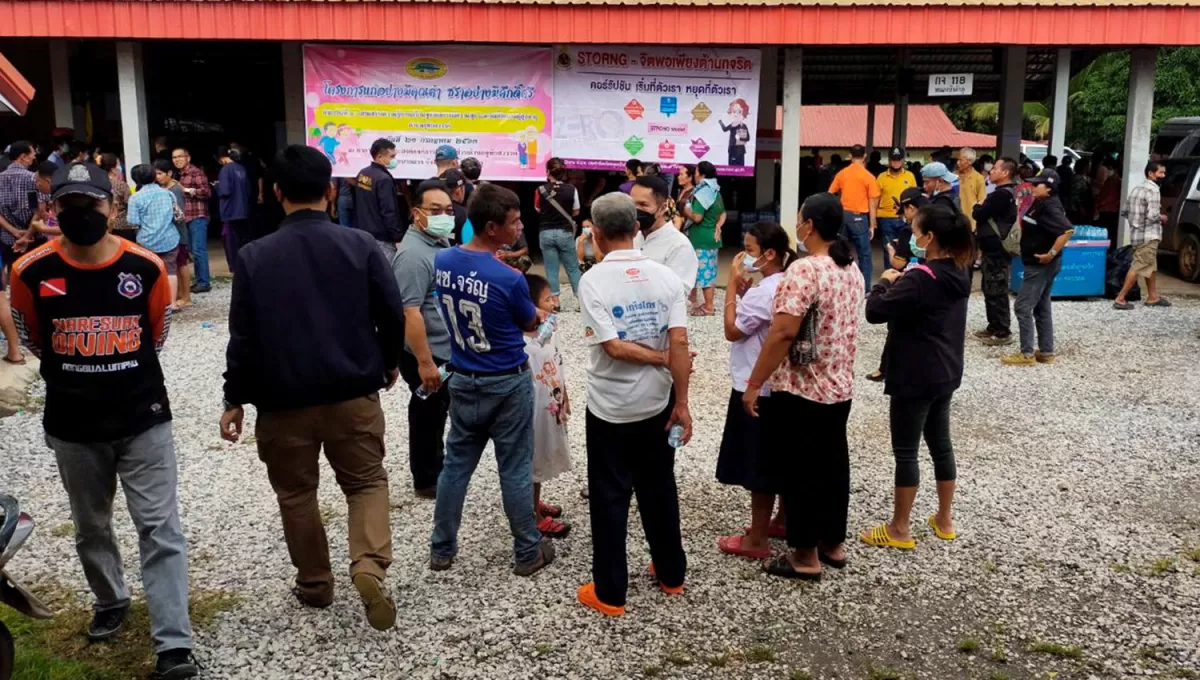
<point x="1082" y="273"/>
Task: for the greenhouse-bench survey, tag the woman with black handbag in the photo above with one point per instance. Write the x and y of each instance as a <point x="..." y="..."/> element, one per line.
<point x="807" y="362"/>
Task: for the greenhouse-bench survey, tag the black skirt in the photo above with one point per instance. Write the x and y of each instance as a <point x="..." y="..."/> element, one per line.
<point x="743" y="458"/>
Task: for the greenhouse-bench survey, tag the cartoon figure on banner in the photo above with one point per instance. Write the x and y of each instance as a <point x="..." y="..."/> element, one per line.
<point x="527" y="147"/>
<point x="328" y="141"/>
<point x="347" y="138"/>
<point x="739" y="132"/>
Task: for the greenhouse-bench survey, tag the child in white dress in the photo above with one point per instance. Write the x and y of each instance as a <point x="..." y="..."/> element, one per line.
<point x="551" y="408"/>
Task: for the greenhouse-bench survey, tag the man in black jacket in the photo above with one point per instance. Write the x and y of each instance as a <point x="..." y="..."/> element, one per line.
<point x="1045" y="231"/>
<point x="994" y="219"/>
<point x="316" y="327"/>
<point x="375" y="205"/>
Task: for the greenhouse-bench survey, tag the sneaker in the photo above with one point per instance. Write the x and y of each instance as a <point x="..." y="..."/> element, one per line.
<point x="552" y="528"/>
<point x="175" y="664"/>
<point x="1123" y="306"/>
<point x="998" y="340"/>
<point x="1043" y="358"/>
<point x="440" y="563"/>
<point x="198" y="288"/>
<point x="308" y="601"/>
<point x="545" y="559"/>
<point x="381" y="609"/>
<point x="106" y="624"/>
<point x="984" y="334"/>
<point x="1018" y="359"/>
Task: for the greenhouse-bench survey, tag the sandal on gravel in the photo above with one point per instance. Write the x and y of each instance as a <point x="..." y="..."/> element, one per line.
<point x="587" y="597"/>
<point x="774" y="530"/>
<point x="547" y="510"/>
<point x="932" y="522"/>
<point x="880" y="537"/>
<point x="831" y="562"/>
<point x="732" y="545"/>
<point x="877" y="376"/>
<point x="545" y="559"/>
<point x="381" y="609"/>
<point x="1161" y="302"/>
<point x="782" y="566"/>
<point x="1123" y="306"/>
<point x="20" y="362"/>
<point x="665" y="588"/>
<point x="552" y="528"/>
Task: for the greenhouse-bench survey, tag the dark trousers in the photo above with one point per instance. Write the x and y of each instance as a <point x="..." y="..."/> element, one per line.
<point x="426" y="425"/>
<point x="994" y="272"/>
<point x="234" y="235"/>
<point x="624" y="459"/>
<point x="813" y="469"/>
<point x="910" y="418"/>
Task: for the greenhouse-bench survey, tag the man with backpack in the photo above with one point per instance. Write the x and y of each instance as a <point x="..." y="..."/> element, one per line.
<point x="994" y="220"/>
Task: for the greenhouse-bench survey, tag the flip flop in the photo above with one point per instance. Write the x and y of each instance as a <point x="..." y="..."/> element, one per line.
<point x="1161" y="302"/>
<point x="879" y="537"/>
<point x="773" y="530"/>
<point x="831" y="562"/>
<point x="782" y="566"/>
<point x="14" y="363"/>
<point x="732" y="545"/>
<point x="932" y="522"/>
<point x="547" y="510"/>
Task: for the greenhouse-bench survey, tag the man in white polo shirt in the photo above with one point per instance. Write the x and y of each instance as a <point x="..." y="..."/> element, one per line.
<point x="657" y="237"/>
<point x="635" y="323"/>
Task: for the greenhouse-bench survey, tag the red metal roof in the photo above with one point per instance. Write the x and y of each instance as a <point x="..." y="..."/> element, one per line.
<point x="15" y="91"/>
<point x="841" y="127"/>
<point x="1044" y="24"/>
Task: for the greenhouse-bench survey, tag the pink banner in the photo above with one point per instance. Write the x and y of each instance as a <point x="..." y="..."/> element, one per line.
<point x="493" y="103"/>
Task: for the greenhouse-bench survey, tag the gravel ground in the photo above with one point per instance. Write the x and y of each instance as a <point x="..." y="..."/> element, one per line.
<point x="1079" y="503"/>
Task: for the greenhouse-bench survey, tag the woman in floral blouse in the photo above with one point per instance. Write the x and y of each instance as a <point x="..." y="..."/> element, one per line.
<point x="807" y="362"/>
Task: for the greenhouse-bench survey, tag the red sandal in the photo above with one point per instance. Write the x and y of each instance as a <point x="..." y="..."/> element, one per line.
<point x="773" y="530"/>
<point x="547" y="510"/>
<point x="733" y="546"/>
<point x="552" y="528"/>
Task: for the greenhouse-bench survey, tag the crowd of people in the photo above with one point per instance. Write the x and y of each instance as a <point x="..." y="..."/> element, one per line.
<point x="442" y="298"/>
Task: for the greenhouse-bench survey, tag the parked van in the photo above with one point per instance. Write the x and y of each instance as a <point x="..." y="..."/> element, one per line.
<point x="1178" y="137"/>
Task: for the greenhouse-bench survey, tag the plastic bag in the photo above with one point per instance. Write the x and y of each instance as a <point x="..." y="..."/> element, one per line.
<point x="1117" y="267"/>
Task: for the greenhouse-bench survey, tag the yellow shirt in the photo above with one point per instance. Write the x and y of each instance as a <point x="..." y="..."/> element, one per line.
<point x="890" y="188"/>
<point x="971" y="192"/>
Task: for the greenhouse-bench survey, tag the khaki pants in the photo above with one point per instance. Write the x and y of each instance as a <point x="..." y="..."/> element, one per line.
<point x="289" y="442"/>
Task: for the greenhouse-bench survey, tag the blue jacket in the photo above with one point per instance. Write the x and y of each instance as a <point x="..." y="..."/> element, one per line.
<point x="376" y="207"/>
<point x="233" y="188"/>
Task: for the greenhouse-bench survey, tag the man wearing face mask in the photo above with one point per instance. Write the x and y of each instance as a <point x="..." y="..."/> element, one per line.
<point x="426" y="338"/>
<point x="95" y="308"/>
<point x="938" y="183"/>
<point x="657" y="237"/>
<point x="375" y="203"/>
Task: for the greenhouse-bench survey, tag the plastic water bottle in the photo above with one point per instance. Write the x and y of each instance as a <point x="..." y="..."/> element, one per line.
<point x="546" y="329"/>
<point x="443" y="373"/>
<point x="675" y="436"/>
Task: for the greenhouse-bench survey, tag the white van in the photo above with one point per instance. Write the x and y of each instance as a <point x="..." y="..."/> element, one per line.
<point x="1036" y="152"/>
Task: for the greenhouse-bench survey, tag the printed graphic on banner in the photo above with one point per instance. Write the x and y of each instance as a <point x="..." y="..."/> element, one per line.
<point x="671" y="105"/>
<point x="493" y="103"/>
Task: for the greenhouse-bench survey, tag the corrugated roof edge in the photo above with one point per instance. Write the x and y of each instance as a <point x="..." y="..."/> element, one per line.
<point x="746" y="3"/>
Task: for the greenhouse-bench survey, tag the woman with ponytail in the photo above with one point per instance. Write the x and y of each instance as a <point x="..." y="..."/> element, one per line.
<point x="807" y="363"/>
<point x="748" y="312"/>
<point x="926" y="309"/>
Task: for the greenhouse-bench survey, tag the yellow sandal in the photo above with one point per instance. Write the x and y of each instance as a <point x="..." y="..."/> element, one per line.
<point x="932" y="522"/>
<point x="879" y="537"/>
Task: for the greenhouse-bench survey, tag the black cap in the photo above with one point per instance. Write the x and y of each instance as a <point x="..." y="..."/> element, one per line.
<point x="1048" y="177"/>
<point x="453" y="179"/>
<point x="912" y="196"/>
<point x="896" y="154"/>
<point x="81" y="178"/>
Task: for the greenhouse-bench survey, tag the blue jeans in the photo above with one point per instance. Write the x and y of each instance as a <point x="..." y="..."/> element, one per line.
<point x="1033" y="306"/>
<point x="558" y="245"/>
<point x="198" y="240"/>
<point x="891" y="227"/>
<point x="345" y="211"/>
<point x="857" y="228"/>
<point x="499" y="408"/>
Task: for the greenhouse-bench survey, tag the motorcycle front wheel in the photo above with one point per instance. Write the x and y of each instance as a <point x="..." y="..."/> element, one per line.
<point x="7" y="653"/>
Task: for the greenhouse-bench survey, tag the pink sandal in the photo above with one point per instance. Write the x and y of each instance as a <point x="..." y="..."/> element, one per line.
<point x="733" y="545"/>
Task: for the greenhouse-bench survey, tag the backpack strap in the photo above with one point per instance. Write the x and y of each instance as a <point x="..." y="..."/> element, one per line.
<point x="927" y="270"/>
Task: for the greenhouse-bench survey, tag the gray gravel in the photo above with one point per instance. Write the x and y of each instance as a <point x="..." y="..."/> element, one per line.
<point x="1077" y="483"/>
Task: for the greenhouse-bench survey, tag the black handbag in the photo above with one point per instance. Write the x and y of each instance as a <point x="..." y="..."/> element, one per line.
<point x="804" y="347"/>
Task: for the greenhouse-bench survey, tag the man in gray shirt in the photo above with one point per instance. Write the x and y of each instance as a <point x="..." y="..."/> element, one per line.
<point x="426" y="339"/>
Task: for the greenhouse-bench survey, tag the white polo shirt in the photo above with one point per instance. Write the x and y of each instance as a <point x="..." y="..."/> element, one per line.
<point x="628" y="296"/>
<point x="668" y="246"/>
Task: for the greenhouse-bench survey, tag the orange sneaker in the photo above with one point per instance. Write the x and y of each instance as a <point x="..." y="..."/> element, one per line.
<point x="587" y="597"/>
<point x="677" y="590"/>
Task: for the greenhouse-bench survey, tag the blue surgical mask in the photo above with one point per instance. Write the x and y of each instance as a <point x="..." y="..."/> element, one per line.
<point x="916" y="249"/>
<point x="749" y="263"/>
<point x="439" y="226"/>
<point x="392" y="164"/>
<point x="587" y="231"/>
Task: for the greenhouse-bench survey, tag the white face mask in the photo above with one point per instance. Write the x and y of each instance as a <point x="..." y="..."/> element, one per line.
<point x="749" y="263"/>
<point x="439" y="226"/>
<point x="987" y="167"/>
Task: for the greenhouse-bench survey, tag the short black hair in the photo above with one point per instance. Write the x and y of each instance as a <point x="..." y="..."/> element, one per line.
<point x="1050" y="161"/>
<point x="536" y="284"/>
<point x="380" y="145"/>
<point x="224" y="152"/>
<point x="302" y="174"/>
<point x="471" y="167"/>
<point x="633" y="165"/>
<point x="1153" y="166"/>
<point x="181" y="148"/>
<point x="48" y="168"/>
<point x="18" y="149"/>
<point x="706" y="170"/>
<point x="427" y="186"/>
<point x="491" y="204"/>
<point x="1067" y="161"/>
<point x="108" y="161"/>
<point x="164" y="165"/>
<point x="142" y="174"/>
<point x="858" y="151"/>
<point x="1008" y="166"/>
<point x="653" y="183"/>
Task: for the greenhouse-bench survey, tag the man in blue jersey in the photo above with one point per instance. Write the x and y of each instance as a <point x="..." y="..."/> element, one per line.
<point x="487" y="305"/>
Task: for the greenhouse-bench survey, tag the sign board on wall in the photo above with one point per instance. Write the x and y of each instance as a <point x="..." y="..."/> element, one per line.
<point x="493" y="103"/>
<point x="669" y="105"/>
<point x="951" y="84"/>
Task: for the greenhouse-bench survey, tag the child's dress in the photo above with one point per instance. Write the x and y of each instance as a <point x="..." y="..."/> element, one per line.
<point x="551" y="453"/>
